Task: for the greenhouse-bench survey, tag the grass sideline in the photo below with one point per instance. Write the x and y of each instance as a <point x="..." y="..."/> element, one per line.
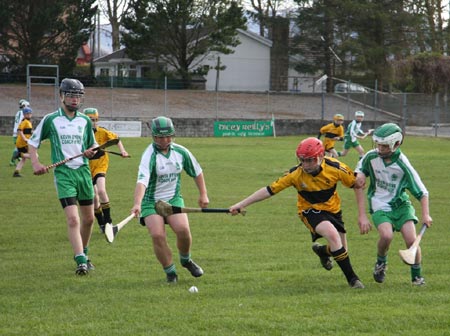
<point x="261" y="277"/>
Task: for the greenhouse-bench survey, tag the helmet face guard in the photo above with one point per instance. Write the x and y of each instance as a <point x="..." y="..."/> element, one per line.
<point x="390" y="135"/>
<point x="162" y="129"/>
<point x="310" y="152"/>
<point x="27" y="111"/>
<point x="338" y="117"/>
<point x="359" y="114"/>
<point x="72" y="89"/>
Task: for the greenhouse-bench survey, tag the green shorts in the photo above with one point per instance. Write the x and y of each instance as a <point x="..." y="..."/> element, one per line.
<point x="396" y="217"/>
<point x="148" y="208"/>
<point x="74" y="183"/>
<point x="348" y="143"/>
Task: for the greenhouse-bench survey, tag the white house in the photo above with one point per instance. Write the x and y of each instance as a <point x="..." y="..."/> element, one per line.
<point x="247" y="69"/>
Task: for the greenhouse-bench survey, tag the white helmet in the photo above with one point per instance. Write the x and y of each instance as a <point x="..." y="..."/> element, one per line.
<point x="388" y="134"/>
<point x="23" y="103"/>
<point x="359" y="114"/>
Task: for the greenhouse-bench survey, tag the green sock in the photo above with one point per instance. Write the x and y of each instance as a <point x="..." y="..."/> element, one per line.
<point x="416" y="271"/>
<point x="171" y="269"/>
<point x="381" y="259"/>
<point x="184" y="258"/>
<point x="80" y="259"/>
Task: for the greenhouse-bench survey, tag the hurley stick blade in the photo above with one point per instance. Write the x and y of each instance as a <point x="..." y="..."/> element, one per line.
<point x="112" y="230"/>
<point x="109" y="232"/>
<point x="163" y="208"/>
<point x="409" y="256"/>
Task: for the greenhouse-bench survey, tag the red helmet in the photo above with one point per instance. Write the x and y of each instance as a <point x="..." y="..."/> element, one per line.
<point x="310" y="148"/>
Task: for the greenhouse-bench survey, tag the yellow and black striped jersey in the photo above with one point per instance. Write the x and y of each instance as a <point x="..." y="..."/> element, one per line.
<point x="99" y="163"/>
<point x="331" y="131"/>
<point x="26" y="128"/>
<point x="316" y="191"/>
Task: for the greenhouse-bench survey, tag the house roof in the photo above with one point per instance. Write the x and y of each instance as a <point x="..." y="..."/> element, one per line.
<point x="256" y="37"/>
<point x="118" y="54"/>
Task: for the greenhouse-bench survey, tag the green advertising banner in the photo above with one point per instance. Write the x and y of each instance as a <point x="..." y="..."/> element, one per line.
<point x="254" y="128"/>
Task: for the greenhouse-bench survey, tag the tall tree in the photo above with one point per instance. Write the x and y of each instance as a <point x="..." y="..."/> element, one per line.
<point x="320" y="29"/>
<point x="182" y="32"/>
<point x="386" y="36"/>
<point x="44" y="32"/>
<point x="115" y="11"/>
<point x="264" y="11"/>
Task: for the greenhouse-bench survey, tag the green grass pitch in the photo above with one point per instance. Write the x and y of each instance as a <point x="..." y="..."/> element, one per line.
<point x="261" y="277"/>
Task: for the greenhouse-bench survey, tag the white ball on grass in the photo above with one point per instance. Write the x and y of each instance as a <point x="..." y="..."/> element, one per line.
<point x="193" y="289"/>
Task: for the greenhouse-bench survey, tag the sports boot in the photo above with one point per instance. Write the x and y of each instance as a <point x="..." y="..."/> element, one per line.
<point x="324" y="259"/>
<point x="192" y="267"/>
<point x="379" y="272"/>
<point x="418" y="281"/>
<point x="356" y="283"/>
<point x="172" y="278"/>
<point x="82" y="269"/>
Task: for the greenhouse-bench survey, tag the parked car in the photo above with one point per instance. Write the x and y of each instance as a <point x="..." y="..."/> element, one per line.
<point x="349" y="87"/>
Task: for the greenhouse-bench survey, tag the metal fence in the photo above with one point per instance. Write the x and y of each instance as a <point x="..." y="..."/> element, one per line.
<point x="127" y="103"/>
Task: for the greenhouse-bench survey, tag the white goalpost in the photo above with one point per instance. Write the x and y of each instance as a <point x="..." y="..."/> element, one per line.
<point x="46" y="98"/>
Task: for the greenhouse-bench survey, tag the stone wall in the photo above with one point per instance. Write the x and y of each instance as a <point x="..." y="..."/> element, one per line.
<point x="204" y="127"/>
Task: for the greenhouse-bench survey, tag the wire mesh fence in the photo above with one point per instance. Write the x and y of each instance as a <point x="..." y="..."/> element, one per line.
<point x="131" y="103"/>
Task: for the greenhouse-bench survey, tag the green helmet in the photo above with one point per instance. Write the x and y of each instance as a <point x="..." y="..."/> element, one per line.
<point x="388" y="134"/>
<point x="162" y="126"/>
<point x="91" y="112"/>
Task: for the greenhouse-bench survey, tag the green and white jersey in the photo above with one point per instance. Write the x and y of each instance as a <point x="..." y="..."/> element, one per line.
<point x="389" y="182"/>
<point x="161" y="173"/>
<point x="17" y="120"/>
<point x="354" y="129"/>
<point x="68" y="136"/>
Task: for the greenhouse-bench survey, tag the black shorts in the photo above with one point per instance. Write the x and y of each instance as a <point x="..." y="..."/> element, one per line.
<point x="312" y="218"/>
<point x="23" y="150"/>
<point x="94" y="180"/>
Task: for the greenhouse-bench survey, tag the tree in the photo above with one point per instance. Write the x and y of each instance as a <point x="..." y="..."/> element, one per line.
<point x="264" y="11"/>
<point x="424" y="72"/>
<point x="320" y="28"/>
<point x="182" y="32"/>
<point x="365" y="35"/>
<point x="44" y="32"/>
<point x="115" y="11"/>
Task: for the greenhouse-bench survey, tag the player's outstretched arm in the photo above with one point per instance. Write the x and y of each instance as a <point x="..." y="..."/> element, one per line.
<point x="257" y="196"/>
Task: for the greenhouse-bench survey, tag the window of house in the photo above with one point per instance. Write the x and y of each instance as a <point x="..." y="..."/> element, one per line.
<point x="132" y="71"/>
<point x="104" y="72"/>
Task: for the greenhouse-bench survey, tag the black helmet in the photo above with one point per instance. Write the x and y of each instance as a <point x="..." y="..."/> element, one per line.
<point x="75" y="89"/>
<point x="70" y="85"/>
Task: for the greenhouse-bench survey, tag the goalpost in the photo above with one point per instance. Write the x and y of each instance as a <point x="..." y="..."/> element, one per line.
<point x="44" y="100"/>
